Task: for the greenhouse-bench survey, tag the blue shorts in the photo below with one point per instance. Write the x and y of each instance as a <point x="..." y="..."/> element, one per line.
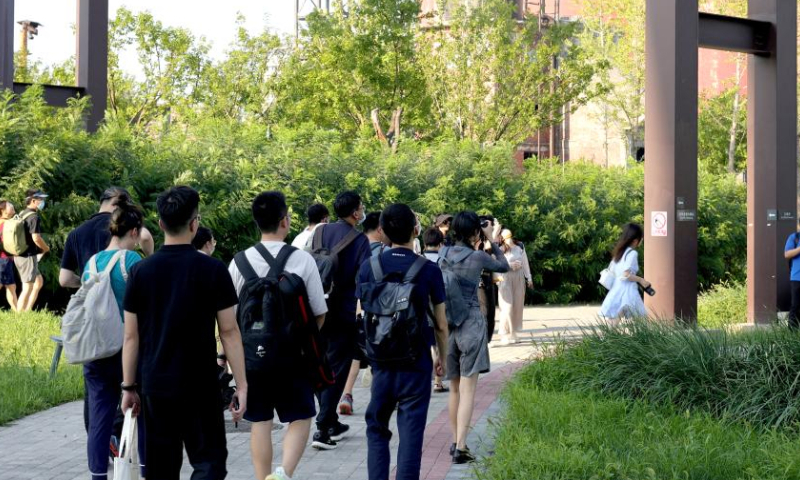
<point x="7" y="272"/>
<point x="289" y="394"/>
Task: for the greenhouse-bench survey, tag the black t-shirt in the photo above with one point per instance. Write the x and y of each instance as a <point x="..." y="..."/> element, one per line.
<point x="32" y="225"/>
<point x="342" y="302"/>
<point x="176" y="294"/>
<point x="87" y="240"/>
<point x="429" y="289"/>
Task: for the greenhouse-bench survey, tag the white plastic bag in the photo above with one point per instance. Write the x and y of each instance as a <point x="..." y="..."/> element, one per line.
<point x="126" y="466"/>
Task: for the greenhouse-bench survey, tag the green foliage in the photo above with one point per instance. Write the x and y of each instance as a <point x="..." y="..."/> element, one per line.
<point x="549" y="434"/>
<point x="715" y="117"/>
<point x="744" y="378"/>
<point x="722" y="305"/>
<point x="25" y="355"/>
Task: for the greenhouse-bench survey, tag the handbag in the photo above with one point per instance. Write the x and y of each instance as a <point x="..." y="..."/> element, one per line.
<point x="126" y="465"/>
<point x="607" y="277"/>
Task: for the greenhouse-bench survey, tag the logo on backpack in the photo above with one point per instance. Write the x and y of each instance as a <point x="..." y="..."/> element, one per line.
<point x="14" y="241"/>
<point x="456" y="304"/>
<point x="328" y="259"/>
<point x="92" y="328"/>
<point x="274" y="317"/>
<point x="390" y="329"/>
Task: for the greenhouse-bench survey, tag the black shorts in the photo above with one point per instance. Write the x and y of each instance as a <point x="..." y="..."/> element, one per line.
<point x="292" y="396"/>
<point x="7" y="272"/>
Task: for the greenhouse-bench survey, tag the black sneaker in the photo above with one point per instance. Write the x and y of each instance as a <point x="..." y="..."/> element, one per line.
<point x="338" y="431"/>
<point x="323" y="441"/>
<point x="452" y="449"/>
<point x="463" y="456"/>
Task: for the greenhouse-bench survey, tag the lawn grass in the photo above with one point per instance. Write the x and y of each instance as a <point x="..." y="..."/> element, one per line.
<point x="549" y="435"/>
<point x="25" y="355"/>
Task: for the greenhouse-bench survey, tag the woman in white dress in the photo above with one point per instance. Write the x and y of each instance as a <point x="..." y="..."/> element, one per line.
<point x="623" y="299"/>
<point x="511" y="289"/>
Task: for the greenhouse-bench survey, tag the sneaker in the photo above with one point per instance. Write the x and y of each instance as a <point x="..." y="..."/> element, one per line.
<point x="346" y="405"/>
<point x="113" y="447"/>
<point x="278" y="474"/>
<point x="337" y="432"/>
<point x="463" y="456"/>
<point x="322" y="441"/>
<point x="452" y="449"/>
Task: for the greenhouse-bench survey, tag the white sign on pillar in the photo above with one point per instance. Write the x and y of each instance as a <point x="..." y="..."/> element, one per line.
<point x="658" y="224"/>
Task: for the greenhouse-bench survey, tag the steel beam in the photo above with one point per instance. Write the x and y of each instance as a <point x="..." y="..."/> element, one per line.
<point x="54" y="95"/>
<point x="6" y="44"/>
<point x="92" y="57"/>
<point x="771" y="160"/>
<point x="735" y="34"/>
<point x="671" y="168"/>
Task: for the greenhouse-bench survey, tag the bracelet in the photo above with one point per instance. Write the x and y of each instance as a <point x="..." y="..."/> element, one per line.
<point x="128" y="388"/>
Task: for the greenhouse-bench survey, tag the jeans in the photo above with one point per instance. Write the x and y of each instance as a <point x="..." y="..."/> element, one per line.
<point x="794" y="313"/>
<point x="410" y="390"/>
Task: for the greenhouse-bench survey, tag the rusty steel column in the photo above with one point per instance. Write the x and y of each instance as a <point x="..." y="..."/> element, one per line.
<point x="670" y="177"/>
<point x="6" y="44"/>
<point x="771" y="160"/>
<point x="92" y="57"/>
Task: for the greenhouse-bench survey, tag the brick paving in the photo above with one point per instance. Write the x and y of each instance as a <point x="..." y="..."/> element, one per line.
<point x="51" y="445"/>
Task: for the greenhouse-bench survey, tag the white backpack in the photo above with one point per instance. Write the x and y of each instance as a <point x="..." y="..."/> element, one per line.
<point x="91" y="328"/>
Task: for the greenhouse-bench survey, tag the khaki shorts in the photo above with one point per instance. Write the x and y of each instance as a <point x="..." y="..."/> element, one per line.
<point x="28" y="268"/>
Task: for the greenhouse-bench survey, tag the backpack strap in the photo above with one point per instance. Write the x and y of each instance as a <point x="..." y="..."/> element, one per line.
<point x="316" y="240"/>
<point x="122" y="265"/>
<point x="416" y="267"/>
<point x="276" y="264"/>
<point x="377" y="269"/>
<point x="26" y="215"/>
<point x="244" y="266"/>
<point x="343" y="243"/>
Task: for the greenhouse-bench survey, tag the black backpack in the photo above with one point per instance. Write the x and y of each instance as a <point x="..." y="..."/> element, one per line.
<point x="276" y="321"/>
<point x="390" y="329"/>
<point x="328" y="259"/>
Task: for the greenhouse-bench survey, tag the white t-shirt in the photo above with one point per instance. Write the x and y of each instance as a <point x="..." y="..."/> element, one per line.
<point x="302" y="238"/>
<point x="299" y="262"/>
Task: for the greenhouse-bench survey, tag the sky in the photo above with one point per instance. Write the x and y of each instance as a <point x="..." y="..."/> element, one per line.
<point x="213" y="19"/>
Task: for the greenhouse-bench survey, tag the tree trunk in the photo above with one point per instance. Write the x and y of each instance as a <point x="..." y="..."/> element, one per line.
<point x="735" y="120"/>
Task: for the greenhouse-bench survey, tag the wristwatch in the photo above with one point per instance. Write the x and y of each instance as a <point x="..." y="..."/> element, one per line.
<point x="128" y="388"/>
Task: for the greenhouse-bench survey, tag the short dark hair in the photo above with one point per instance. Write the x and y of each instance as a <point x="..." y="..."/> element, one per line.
<point x="346" y="203"/>
<point x="203" y="236"/>
<point x="316" y="213"/>
<point x="124" y="219"/>
<point x="29" y="195"/>
<point x="269" y="208"/>
<point x="177" y="207"/>
<point x="119" y="194"/>
<point x="465" y="225"/>
<point x="372" y="222"/>
<point x="432" y="237"/>
<point x="398" y="222"/>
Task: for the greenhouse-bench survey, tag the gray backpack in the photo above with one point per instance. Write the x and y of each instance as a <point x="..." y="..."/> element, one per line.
<point x="457" y="306"/>
<point x="91" y="327"/>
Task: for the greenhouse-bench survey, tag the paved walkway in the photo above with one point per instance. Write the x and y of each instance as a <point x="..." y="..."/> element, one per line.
<point x="51" y="445"/>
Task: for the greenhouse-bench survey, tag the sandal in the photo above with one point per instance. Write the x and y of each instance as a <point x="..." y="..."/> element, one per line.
<point x="440" y="388"/>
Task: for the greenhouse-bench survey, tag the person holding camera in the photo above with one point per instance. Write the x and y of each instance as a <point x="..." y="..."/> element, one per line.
<point x="623" y="299"/>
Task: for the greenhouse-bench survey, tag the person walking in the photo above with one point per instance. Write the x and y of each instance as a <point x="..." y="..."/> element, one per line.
<point x="103" y="377"/>
<point x="317" y="214"/>
<point x="340" y="324"/>
<point x="623" y="299"/>
<point x="792" y="253"/>
<point x="173" y="301"/>
<point x="8" y="280"/>
<point x="404" y="385"/>
<point x="286" y="387"/>
<point x="434" y="240"/>
<point x="27" y="263"/>
<point x="511" y="289"/>
<point x="468" y="352"/>
<point x="204" y="241"/>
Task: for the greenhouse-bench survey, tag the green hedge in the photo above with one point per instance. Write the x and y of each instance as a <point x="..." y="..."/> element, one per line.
<point x="25" y="355"/>
<point x="569" y="216"/>
<point x="722" y="305"/>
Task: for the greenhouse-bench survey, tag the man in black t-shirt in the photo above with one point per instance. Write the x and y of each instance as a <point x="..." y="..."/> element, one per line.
<point x="173" y="301"/>
<point x="28" y="262"/>
<point x="93" y="236"/>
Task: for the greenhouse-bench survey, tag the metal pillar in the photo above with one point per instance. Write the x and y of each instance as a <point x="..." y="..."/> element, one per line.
<point x="6" y="44"/>
<point x="771" y="160"/>
<point x="671" y="168"/>
<point x="92" y="57"/>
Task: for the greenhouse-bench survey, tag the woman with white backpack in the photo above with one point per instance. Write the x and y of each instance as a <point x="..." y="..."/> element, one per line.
<point x="103" y="377"/>
<point x="623" y="299"/>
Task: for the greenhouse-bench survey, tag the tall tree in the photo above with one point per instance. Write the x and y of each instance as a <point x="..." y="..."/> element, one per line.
<point x="493" y="78"/>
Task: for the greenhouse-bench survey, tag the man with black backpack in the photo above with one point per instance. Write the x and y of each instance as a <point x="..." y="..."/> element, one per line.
<point x="396" y="290"/>
<point x="278" y="380"/>
<point x="339" y="250"/>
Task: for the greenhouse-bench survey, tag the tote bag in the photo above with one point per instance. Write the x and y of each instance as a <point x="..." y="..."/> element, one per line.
<point x="126" y="466"/>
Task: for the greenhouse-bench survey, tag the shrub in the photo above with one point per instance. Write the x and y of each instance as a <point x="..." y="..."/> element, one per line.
<point x="723" y="304"/>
